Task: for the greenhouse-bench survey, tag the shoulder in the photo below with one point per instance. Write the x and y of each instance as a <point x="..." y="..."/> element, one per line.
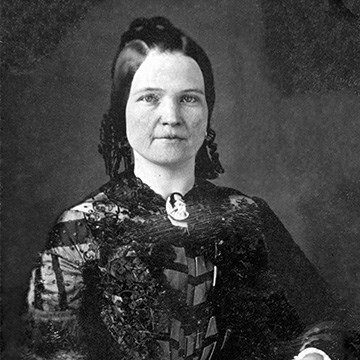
<point x="72" y="226"/>
<point x="83" y="208"/>
<point x="95" y="206"/>
<point x="231" y="196"/>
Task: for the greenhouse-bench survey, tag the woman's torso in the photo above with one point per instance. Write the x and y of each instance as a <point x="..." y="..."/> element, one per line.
<point x="161" y="282"/>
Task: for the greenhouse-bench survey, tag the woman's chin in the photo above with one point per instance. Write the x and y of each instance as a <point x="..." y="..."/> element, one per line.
<point x="170" y="156"/>
<point x="169" y="161"/>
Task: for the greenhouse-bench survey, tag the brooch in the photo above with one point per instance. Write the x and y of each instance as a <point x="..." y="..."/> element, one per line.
<point x="176" y="209"/>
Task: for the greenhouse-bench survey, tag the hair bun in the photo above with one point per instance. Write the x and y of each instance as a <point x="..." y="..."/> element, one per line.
<point x="161" y="23"/>
<point x="138" y="24"/>
<point x="157" y="22"/>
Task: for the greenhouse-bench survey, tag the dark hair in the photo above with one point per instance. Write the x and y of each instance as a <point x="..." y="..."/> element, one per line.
<point x="142" y="36"/>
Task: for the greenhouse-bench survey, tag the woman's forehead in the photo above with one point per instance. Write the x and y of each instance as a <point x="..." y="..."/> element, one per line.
<point x="168" y="69"/>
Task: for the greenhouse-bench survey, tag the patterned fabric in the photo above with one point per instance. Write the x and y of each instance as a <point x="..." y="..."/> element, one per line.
<point x="118" y="280"/>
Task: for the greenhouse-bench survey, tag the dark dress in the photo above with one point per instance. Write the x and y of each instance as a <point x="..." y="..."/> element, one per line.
<point x="119" y="281"/>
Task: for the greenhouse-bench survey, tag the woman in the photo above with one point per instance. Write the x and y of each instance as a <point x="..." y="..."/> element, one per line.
<point x="160" y="263"/>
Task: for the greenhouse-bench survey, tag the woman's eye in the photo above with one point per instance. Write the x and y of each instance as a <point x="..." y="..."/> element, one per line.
<point x="151" y="98"/>
<point x="189" y="99"/>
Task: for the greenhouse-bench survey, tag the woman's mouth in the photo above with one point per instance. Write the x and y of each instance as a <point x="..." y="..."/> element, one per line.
<point x="170" y="137"/>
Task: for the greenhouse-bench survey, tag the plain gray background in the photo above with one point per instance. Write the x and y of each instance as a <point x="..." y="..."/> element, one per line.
<point x="287" y="118"/>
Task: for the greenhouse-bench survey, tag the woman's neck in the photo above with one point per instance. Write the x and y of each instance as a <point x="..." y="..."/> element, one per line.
<point x="165" y="180"/>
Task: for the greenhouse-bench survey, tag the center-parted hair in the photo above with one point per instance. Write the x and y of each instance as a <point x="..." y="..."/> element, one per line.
<point x="135" y="44"/>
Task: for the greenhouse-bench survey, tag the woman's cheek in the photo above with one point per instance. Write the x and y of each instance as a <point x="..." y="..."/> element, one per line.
<point x="198" y="120"/>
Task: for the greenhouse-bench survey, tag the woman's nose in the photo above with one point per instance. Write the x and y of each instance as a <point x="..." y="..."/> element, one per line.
<point x="170" y="113"/>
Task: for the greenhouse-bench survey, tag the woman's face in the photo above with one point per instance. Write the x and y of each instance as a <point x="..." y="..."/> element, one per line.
<point x="166" y="113"/>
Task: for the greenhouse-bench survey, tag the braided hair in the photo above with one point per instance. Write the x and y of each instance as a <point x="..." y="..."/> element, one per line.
<point x="135" y="44"/>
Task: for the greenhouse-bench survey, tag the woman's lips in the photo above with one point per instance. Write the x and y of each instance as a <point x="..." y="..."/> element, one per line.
<point x="170" y="137"/>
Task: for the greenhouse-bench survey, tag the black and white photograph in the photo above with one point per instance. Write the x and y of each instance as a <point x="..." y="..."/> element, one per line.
<point x="180" y="180"/>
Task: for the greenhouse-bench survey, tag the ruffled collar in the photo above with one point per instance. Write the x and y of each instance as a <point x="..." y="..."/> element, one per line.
<point x="127" y="187"/>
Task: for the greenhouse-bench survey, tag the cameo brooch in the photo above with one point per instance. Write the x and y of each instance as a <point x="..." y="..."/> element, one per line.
<point x="176" y="209"/>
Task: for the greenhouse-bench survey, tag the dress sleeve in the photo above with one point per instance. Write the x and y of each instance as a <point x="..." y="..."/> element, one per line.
<point x="55" y="290"/>
<point x="260" y="317"/>
<point x="326" y="319"/>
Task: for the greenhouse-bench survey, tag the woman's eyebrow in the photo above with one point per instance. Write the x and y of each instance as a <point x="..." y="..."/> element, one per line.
<point x="195" y="90"/>
<point x="141" y="90"/>
<point x="147" y="89"/>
